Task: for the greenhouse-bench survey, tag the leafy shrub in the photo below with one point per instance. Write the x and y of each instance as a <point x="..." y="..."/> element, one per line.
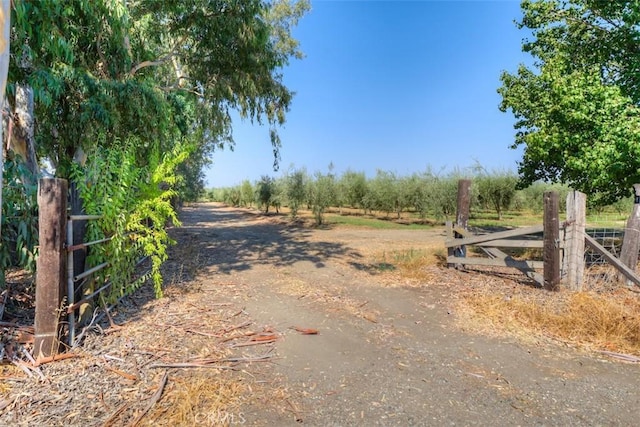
<point x="19" y="218"/>
<point x="135" y="204"/>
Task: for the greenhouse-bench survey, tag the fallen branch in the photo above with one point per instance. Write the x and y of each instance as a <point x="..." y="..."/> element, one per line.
<point x="95" y="318"/>
<point x="238" y="313"/>
<point x="123" y="374"/>
<point x="233" y="337"/>
<point x="249" y="343"/>
<point x="112" y="417"/>
<point x="112" y="324"/>
<point x="23" y="366"/>
<point x="370" y="317"/>
<point x="11" y="325"/>
<point x="31" y="360"/>
<point x="270" y="337"/>
<point x="240" y="326"/>
<point x="305" y="331"/>
<point x="193" y="331"/>
<point x="49" y="359"/>
<point x="295" y="411"/>
<point x="156" y="397"/>
<point x="187" y="365"/>
<point x="621" y="356"/>
<point x="210" y="363"/>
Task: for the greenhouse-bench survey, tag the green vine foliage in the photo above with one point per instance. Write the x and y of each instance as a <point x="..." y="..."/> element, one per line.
<point x="135" y="204"/>
<point x="19" y="218"/>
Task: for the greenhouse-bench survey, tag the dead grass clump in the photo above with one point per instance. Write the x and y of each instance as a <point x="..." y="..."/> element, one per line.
<point x="410" y="263"/>
<point x="200" y="398"/>
<point x="605" y="322"/>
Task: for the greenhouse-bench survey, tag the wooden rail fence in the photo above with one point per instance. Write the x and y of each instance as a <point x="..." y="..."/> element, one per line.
<point x="563" y="244"/>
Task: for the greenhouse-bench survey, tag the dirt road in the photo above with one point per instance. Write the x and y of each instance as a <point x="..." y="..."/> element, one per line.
<point x="386" y="353"/>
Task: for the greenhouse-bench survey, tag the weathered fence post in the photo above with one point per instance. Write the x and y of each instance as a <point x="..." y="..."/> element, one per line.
<point x="551" y="237"/>
<point x="464" y="203"/>
<point x="450" y="235"/>
<point x="462" y="211"/>
<point x="631" y="240"/>
<point x="51" y="265"/>
<point x="574" y="239"/>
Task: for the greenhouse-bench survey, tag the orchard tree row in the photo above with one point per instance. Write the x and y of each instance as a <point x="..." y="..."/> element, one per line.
<point x="426" y="194"/>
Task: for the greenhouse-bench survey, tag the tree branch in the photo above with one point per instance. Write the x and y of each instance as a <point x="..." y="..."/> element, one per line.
<point x="154" y="63"/>
<point x="160" y="61"/>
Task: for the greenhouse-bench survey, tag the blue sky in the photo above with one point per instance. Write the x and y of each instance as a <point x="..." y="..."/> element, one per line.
<point x="392" y="85"/>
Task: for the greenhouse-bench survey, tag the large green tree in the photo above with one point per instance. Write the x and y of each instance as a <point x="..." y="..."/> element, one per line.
<point x="576" y="108"/>
<point x="160" y="71"/>
<point x="149" y="85"/>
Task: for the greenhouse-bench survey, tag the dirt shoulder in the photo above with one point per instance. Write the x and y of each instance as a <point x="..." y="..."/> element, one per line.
<point x="390" y="351"/>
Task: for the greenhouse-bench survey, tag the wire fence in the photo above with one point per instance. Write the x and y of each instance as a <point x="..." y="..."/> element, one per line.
<point x="76" y="296"/>
<point x="610" y="238"/>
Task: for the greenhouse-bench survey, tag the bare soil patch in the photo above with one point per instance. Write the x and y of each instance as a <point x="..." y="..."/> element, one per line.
<point x="224" y="346"/>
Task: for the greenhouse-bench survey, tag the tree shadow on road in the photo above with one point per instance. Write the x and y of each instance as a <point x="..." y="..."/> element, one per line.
<point x="233" y="240"/>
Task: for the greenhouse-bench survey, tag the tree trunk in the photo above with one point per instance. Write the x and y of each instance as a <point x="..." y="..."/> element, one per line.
<point x="23" y="140"/>
<point x="551" y="237"/>
<point x="5" y="26"/>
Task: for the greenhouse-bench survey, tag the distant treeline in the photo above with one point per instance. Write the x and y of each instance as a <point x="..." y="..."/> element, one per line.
<point x="426" y="194"/>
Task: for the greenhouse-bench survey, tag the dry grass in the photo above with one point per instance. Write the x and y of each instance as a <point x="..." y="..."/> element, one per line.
<point x="606" y="316"/>
<point x="202" y="397"/>
<point x="588" y="319"/>
<point x="411" y="263"/>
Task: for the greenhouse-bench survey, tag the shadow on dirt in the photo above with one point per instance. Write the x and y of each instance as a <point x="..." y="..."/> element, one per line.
<point x="229" y="240"/>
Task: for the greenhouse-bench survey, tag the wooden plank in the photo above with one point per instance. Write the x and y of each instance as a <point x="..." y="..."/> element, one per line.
<point x="626" y="271"/>
<point x="631" y="240"/>
<point x="462" y="231"/>
<point x="51" y="265"/>
<point x="551" y="237"/>
<point x="496" y="262"/>
<point x="574" y="238"/>
<point x="529" y="272"/>
<point x="450" y="236"/>
<point x="495" y="236"/>
<point x="503" y="243"/>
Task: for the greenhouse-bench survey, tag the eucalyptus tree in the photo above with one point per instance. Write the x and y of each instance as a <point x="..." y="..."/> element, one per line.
<point x="220" y="55"/>
<point x="5" y="27"/>
<point x="158" y="70"/>
<point x="152" y="84"/>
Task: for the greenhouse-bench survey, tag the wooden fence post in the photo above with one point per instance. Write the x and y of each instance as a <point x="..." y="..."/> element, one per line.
<point x="551" y="237"/>
<point x="574" y="239"/>
<point x="631" y="240"/>
<point x="462" y="211"/>
<point x="450" y="235"/>
<point x="51" y="265"/>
